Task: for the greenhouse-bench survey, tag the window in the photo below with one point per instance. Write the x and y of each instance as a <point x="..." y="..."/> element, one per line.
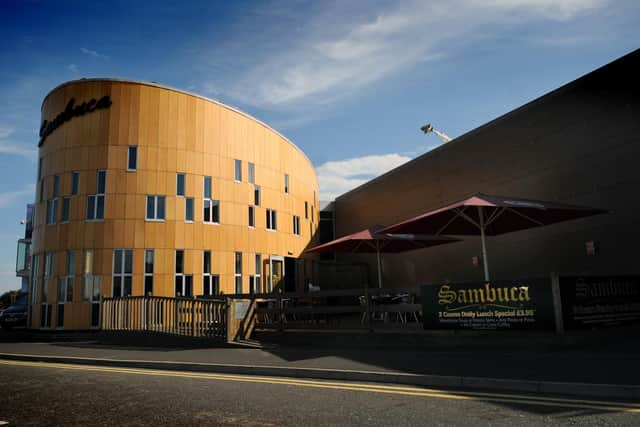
<point x="251" y="169"/>
<point x="52" y="211"/>
<point x="52" y="205"/>
<point x="155" y="208"/>
<point x="75" y="183"/>
<point x="49" y="268"/>
<point x="210" y="282"/>
<point x="65" y="283"/>
<point x="271" y="220"/>
<point x="238" y="170"/>
<point x="252" y="216"/>
<point x="286" y="184"/>
<point x="39" y="168"/>
<point x="211" y="208"/>
<point x="132" y="158"/>
<point x="35" y="259"/>
<point x="56" y="186"/>
<point x="101" y="182"/>
<point x="87" y="275"/>
<point x="180" y="184"/>
<point x="41" y="199"/>
<point x="184" y="283"/>
<point x="238" y="272"/>
<point x="95" y="202"/>
<point x="306" y="210"/>
<point x="65" y="209"/>
<point x="91" y="287"/>
<point x="188" y="209"/>
<point x="256" y="195"/>
<point x="254" y="281"/>
<point x="296" y="225"/>
<point x="148" y="271"/>
<point x="312" y="217"/>
<point x="122" y="272"/>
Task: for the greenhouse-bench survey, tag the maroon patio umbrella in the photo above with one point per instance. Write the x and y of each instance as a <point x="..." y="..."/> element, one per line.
<point x="483" y="215"/>
<point x="370" y="241"/>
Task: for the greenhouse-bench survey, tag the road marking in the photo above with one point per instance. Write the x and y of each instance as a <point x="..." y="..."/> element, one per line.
<point x="353" y="386"/>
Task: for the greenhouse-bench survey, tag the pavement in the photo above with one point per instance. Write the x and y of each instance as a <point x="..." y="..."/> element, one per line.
<point x="583" y="363"/>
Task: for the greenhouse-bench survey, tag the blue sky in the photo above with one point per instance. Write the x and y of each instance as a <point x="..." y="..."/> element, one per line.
<point x="350" y="82"/>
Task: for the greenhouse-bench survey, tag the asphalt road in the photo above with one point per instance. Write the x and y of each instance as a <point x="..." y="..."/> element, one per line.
<point x="48" y="394"/>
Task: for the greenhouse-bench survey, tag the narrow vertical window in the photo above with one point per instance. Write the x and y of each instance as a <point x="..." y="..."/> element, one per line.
<point x="65" y="288"/>
<point x="87" y="275"/>
<point x="95" y="202"/>
<point x="132" y="158"/>
<point x="188" y="207"/>
<point x="149" y="256"/>
<point x="52" y="211"/>
<point x="296" y="225"/>
<point x="45" y="313"/>
<point x="286" y="184"/>
<point x="91" y="287"/>
<point x="238" y="272"/>
<point x="180" y="184"/>
<point x="238" y="170"/>
<point x="41" y="198"/>
<point x="211" y="208"/>
<point x="255" y="279"/>
<point x="52" y="205"/>
<point x="56" y="186"/>
<point x="122" y="272"/>
<point x="256" y="195"/>
<point x="252" y="217"/>
<point x="65" y="209"/>
<point x="35" y="259"/>
<point x="306" y="210"/>
<point x="75" y="183"/>
<point x="39" y="168"/>
<point x="251" y="171"/>
<point x="210" y="282"/>
<point x="183" y="282"/>
<point x="49" y="269"/>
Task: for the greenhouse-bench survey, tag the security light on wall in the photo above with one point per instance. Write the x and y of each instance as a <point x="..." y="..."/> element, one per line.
<point x="429" y="128"/>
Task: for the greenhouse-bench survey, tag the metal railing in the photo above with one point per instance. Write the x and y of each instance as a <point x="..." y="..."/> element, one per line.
<point x="175" y="316"/>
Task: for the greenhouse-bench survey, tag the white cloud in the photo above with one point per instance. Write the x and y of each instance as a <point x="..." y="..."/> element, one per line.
<point x="338" y="177"/>
<point x="93" y="53"/>
<point x="9" y="198"/>
<point x="7" y="146"/>
<point x="335" y="56"/>
<point x="73" y="68"/>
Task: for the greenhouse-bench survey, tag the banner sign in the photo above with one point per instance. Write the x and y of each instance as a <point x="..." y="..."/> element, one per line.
<point x="593" y="301"/>
<point x="521" y="304"/>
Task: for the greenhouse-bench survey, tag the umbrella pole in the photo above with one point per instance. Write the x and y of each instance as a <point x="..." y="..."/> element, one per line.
<point x="484" y="244"/>
<point x="379" y="269"/>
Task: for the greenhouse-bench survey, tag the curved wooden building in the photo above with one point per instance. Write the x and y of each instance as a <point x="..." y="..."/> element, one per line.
<point x="144" y="189"/>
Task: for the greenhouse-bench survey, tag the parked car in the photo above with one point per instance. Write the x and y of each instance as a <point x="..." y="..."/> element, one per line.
<point x="15" y="314"/>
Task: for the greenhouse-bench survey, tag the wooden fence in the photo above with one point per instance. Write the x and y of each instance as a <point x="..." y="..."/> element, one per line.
<point x="176" y="316"/>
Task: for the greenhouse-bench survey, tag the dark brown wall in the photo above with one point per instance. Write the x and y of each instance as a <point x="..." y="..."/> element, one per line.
<point x="579" y="144"/>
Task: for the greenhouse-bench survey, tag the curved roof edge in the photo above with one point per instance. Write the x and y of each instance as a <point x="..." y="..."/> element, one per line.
<point x="184" y="92"/>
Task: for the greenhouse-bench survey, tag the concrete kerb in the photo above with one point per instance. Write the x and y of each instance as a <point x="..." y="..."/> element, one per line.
<point x="622" y="391"/>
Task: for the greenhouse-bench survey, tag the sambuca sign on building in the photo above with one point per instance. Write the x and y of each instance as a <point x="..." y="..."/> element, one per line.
<point x="521" y="304"/>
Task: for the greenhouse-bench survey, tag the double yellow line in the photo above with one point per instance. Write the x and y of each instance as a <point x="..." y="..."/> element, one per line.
<point x="353" y="386"/>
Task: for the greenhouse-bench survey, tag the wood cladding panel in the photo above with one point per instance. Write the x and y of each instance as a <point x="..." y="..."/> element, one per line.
<point x="174" y="132"/>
